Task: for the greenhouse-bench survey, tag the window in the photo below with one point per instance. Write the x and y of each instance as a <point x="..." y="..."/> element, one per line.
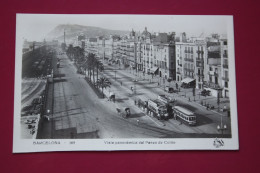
<point x="225" y="52"/>
<point x="210" y="68"/>
<point x="226" y="74"/>
<point x="226" y="84"/>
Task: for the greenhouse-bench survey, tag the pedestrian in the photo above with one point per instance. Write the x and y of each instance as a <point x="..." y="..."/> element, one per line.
<point x="158" y="83"/>
<point x="137" y="121"/>
<point x="121" y="83"/>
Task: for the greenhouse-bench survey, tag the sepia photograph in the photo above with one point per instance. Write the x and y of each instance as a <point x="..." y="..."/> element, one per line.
<point x="124" y="82"/>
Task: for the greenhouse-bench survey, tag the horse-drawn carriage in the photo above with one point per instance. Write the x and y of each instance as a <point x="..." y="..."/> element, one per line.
<point x="125" y="113"/>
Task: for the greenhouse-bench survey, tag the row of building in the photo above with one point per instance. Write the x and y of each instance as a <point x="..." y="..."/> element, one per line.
<point x="203" y="61"/>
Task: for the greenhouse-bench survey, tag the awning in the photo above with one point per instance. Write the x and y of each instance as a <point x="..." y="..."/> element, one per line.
<point x="154" y="70"/>
<point x="187" y="80"/>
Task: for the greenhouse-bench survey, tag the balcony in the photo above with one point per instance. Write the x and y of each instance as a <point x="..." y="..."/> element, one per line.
<point x="188" y="51"/>
<point x="225" y="66"/>
<point x="188" y="59"/>
<point x="199" y="59"/>
<point x="225" y="78"/>
<point x="188" y="70"/>
<point x="214" y="61"/>
<point x="213" y="73"/>
<point x="199" y="74"/>
<point x="200" y="51"/>
<point x="199" y="64"/>
<point x="211" y="85"/>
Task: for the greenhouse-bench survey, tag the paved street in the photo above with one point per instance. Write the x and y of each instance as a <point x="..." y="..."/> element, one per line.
<point x="79" y="113"/>
<point x="207" y="121"/>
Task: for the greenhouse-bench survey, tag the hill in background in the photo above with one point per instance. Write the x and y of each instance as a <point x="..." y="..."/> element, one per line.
<point x="73" y="30"/>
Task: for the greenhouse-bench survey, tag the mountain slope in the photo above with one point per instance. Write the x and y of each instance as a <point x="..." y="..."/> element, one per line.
<point x="73" y="30"/>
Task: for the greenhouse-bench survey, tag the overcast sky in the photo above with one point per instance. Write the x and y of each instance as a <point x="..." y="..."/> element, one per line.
<point x="34" y="27"/>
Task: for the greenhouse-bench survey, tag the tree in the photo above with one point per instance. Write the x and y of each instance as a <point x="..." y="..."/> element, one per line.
<point x="103" y="83"/>
<point x="99" y="67"/>
<point x="70" y="51"/>
<point x="90" y="64"/>
<point x="78" y="53"/>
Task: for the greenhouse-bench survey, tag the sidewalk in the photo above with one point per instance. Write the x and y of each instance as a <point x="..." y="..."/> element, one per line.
<point x="186" y="94"/>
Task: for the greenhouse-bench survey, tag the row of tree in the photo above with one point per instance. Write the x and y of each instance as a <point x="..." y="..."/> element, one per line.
<point x="91" y="66"/>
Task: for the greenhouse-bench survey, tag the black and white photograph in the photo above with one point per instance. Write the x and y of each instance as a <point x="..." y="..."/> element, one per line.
<point x="124" y="82"/>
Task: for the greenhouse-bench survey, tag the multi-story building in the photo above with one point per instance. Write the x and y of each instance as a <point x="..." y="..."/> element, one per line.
<point x="152" y="54"/>
<point x="224" y="66"/>
<point x="217" y="66"/>
<point x="158" y="54"/>
<point x="190" y="60"/>
<point x="80" y="41"/>
<point x="91" y="46"/>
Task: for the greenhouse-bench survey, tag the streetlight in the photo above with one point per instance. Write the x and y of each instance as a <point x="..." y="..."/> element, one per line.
<point x="218" y="98"/>
<point x="115" y="74"/>
<point x="222" y="127"/>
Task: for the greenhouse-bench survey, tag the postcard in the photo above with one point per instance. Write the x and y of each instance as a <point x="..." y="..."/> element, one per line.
<point x="124" y="82"/>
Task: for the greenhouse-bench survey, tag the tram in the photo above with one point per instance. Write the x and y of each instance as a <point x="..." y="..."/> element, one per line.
<point x="184" y="115"/>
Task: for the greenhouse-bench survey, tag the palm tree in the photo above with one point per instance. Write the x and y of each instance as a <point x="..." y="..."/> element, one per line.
<point x="90" y="64"/>
<point x="70" y="51"/>
<point x="99" y="67"/>
<point x="103" y="83"/>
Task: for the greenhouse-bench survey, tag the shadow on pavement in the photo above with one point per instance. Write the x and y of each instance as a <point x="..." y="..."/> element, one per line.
<point x="59" y="80"/>
<point x="58" y="75"/>
<point x="121" y="100"/>
<point x="202" y="120"/>
<point x="136" y="115"/>
<point x="187" y="106"/>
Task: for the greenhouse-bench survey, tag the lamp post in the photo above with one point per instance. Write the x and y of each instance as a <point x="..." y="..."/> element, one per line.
<point x="222" y="127"/>
<point x="115" y="75"/>
<point x="218" y="98"/>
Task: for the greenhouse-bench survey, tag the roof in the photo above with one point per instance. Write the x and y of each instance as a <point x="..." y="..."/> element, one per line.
<point x="92" y="39"/>
<point x="187" y="80"/>
<point x="183" y="110"/>
<point x="154" y="69"/>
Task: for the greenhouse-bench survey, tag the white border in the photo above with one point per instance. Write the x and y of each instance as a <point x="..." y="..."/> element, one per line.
<point x="31" y="145"/>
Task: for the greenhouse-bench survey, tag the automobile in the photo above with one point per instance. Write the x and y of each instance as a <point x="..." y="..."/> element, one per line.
<point x="109" y="63"/>
<point x="205" y="93"/>
<point x="169" y="89"/>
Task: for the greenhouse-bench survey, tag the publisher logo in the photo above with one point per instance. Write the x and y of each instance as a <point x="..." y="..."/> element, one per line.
<point x="218" y="143"/>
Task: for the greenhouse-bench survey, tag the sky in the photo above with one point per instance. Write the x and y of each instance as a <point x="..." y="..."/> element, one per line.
<point x="34" y="27"/>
